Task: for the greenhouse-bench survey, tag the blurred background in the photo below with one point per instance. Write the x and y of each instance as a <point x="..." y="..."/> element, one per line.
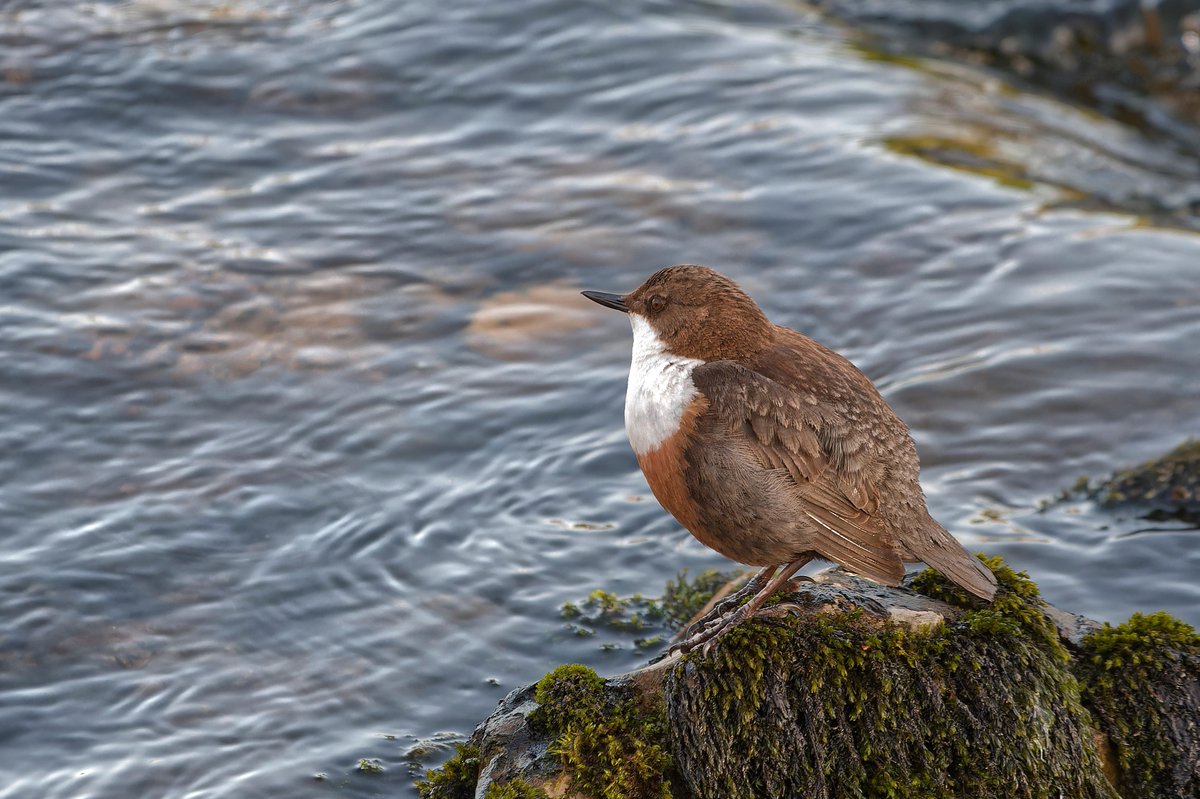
<point x="307" y="435"/>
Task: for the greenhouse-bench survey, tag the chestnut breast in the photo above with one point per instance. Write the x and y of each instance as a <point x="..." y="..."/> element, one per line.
<point x="719" y="493"/>
<point x="661" y="407"/>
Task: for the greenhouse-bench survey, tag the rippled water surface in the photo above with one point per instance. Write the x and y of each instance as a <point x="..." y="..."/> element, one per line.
<point x="307" y="435"/>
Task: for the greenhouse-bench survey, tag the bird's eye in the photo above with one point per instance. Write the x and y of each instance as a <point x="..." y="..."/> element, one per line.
<point x="657" y="303"/>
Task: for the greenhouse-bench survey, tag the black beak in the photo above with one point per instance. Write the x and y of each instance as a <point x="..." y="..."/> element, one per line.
<point x="615" y="301"/>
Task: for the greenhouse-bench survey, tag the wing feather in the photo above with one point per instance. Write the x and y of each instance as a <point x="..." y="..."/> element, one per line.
<point x="790" y="434"/>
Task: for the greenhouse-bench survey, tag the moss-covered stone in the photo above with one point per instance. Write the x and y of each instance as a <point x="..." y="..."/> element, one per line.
<point x="849" y="704"/>
<point x="846" y="688"/>
<point x="516" y="789"/>
<point x="455" y="779"/>
<point x="1142" y="683"/>
<point x="612" y="746"/>
<point x="1167" y="487"/>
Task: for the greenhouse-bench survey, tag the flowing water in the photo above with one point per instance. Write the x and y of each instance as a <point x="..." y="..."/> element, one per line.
<point x="307" y="435"/>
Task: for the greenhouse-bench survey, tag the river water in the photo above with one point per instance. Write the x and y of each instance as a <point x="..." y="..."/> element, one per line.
<point x="307" y="435"/>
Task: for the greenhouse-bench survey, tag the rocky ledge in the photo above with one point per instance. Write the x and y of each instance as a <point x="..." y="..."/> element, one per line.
<point x="844" y="688"/>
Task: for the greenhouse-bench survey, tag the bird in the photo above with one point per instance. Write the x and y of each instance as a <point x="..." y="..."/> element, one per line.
<point x="771" y="448"/>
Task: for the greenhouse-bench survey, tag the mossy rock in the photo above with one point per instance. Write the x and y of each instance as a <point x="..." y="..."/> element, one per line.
<point x="1166" y="487"/>
<point x="455" y="779"/>
<point x="1141" y="680"/>
<point x="850" y="689"/>
<point x="852" y="703"/>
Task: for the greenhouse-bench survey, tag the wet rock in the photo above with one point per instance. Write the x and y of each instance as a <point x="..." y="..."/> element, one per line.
<point x="1134" y="61"/>
<point x="848" y="688"/>
<point x="1163" y="488"/>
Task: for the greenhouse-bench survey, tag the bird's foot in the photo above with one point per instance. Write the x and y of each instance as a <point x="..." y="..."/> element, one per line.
<point x="782" y="609"/>
<point x="724" y="607"/>
<point x="711" y="631"/>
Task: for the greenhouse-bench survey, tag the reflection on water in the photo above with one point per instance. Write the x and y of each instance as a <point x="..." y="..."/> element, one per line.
<point x="309" y="436"/>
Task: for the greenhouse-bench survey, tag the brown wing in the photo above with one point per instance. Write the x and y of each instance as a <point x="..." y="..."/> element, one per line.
<point x="789" y="432"/>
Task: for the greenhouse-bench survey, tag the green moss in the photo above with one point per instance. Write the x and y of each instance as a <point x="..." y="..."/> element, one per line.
<point x="514" y="789"/>
<point x="684" y="598"/>
<point x="456" y="778"/>
<point x="372" y="766"/>
<point x="1015" y="611"/>
<point x="845" y="704"/>
<point x="610" y="746"/>
<point x="1135" y="679"/>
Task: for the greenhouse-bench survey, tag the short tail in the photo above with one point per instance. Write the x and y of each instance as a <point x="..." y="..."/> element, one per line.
<point x="943" y="552"/>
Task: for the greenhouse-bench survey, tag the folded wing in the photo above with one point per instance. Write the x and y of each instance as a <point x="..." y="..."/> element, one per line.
<point x="833" y="488"/>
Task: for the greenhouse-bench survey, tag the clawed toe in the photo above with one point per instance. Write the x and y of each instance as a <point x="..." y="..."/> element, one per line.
<point x="714" y="624"/>
<point x="725" y="606"/>
<point x="716" y="628"/>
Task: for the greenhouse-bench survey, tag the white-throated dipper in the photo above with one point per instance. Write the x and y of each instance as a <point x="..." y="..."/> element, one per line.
<point x="769" y="447"/>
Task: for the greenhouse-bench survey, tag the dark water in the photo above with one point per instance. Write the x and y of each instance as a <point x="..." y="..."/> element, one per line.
<point x="307" y="437"/>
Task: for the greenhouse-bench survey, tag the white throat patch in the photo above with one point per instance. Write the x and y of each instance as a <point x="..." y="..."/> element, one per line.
<point x="660" y="389"/>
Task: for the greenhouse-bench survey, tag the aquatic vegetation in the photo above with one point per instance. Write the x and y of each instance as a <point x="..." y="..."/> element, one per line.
<point x="1136" y="678"/>
<point x="1166" y="487"/>
<point x="371" y="766"/>
<point x="1169" y="486"/>
<point x="603" y="609"/>
<point x="682" y="599"/>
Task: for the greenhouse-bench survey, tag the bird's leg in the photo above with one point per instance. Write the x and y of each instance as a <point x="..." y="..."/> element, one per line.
<point x="715" y="630"/>
<point x="727" y="603"/>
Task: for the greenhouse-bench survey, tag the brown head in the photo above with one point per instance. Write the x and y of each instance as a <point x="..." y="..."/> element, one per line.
<point x="696" y="313"/>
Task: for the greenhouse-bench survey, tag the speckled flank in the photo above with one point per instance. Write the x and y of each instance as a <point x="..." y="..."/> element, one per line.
<point x="660" y="389"/>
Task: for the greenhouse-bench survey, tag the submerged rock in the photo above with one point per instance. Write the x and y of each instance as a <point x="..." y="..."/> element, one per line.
<point x="1134" y="61"/>
<point x="847" y="688"/>
<point x="1166" y="487"/>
